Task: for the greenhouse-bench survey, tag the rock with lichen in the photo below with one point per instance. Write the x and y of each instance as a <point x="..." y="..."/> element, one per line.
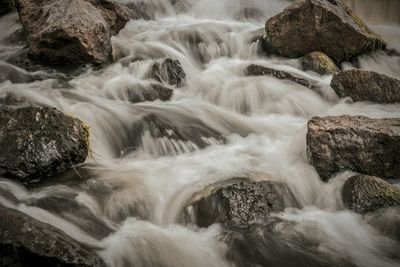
<point x="363" y="193"/>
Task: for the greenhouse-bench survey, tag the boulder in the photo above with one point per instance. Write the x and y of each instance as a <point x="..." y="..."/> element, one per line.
<point x="36" y="142"/>
<point x="169" y="71"/>
<point x="257" y="70"/>
<point x="361" y="85"/>
<point x="26" y="242"/>
<point x="115" y="14"/>
<point x="318" y="25"/>
<point x="363" y="193"/>
<point x="239" y="202"/>
<point x="6" y="6"/>
<point x="319" y="63"/>
<point x="360" y="144"/>
<point x="65" y="32"/>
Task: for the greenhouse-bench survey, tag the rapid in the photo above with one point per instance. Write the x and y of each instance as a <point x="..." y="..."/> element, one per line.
<point x="127" y="199"/>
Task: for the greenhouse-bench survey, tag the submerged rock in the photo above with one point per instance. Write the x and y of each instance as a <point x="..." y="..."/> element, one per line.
<point x="169" y="71"/>
<point x="36" y="142"/>
<point x="239" y="202"/>
<point x="360" y="144"/>
<point x="141" y="10"/>
<point x="257" y="70"/>
<point x="361" y="85"/>
<point x="172" y="134"/>
<point x="317" y="25"/>
<point x="319" y="63"/>
<point x="386" y="221"/>
<point x="279" y="242"/>
<point x="363" y="193"/>
<point x="150" y="93"/>
<point x="26" y="242"/>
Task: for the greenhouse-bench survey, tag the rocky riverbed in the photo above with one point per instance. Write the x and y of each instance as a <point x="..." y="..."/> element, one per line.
<point x="182" y="133"/>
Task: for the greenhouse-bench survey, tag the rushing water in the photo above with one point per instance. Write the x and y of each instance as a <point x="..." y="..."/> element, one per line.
<point x="128" y="199"/>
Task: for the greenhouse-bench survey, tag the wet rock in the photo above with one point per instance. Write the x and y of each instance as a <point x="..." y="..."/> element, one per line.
<point x="169" y="71"/>
<point x="319" y="63"/>
<point x="26" y="242"/>
<point x="14" y="74"/>
<point x="360" y="144"/>
<point x="361" y="85"/>
<point x="36" y="142"/>
<point x="317" y="25"/>
<point x="363" y="193"/>
<point x="239" y="202"/>
<point x="279" y="242"/>
<point x="65" y="32"/>
<point x="115" y="14"/>
<point x="17" y="38"/>
<point x="6" y="6"/>
<point x="257" y="70"/>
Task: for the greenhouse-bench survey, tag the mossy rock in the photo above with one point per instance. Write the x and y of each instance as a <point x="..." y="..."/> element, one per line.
<point x="363" y="193"/>
<point x="319" y="63"/>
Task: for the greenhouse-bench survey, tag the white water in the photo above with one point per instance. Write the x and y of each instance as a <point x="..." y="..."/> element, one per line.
<point x="135" y="197"/>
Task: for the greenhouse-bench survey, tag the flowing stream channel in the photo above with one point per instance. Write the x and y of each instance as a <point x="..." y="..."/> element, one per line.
<point x="127" y="200"/>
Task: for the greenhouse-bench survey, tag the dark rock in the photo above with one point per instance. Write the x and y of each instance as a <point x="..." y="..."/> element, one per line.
<point x="36" y="142"/>
<point x="361" y="85"/>
<point x="239" y="202"/>
<point x="26" y="242"/>
<point x="318" y="25"/>
<point x="360" y="144"/>
<point x="169" y="71"/>
<point x="65" y="32"/>
<point x="16" y="38"/>
<point x="278" y="242"/>
<point x="319" y="63"/>
<point x="363" y="193"/>
<point x="116" y="15"/>
<point x="256" y="70"/>
<point x="14" y="74"/>
<point x="6" y="6"/>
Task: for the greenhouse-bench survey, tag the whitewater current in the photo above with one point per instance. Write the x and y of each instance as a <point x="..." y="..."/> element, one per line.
<point x="127" y="200"/>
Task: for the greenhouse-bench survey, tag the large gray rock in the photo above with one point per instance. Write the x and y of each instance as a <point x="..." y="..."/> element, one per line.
<point x="361" y="85"/>
<point x="257" y="70"/>
<point x="239" y="202"/>
<point x="36" y="142"/>
<point x="319" y="63"/>
<point x="360" y="144"/>
<point x="65" y="32"/>
<point x="26" y="242"/>
<point x="363" y="193"/>
<point x="319" y="25"/>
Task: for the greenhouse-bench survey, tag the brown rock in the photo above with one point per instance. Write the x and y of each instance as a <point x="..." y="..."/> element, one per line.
<point x="360" y="144"/>
<point x="318" y="25"/>
<point x="65" y="32"/>
<point x="363" y="85"/>
<point x="319" y="63"/>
